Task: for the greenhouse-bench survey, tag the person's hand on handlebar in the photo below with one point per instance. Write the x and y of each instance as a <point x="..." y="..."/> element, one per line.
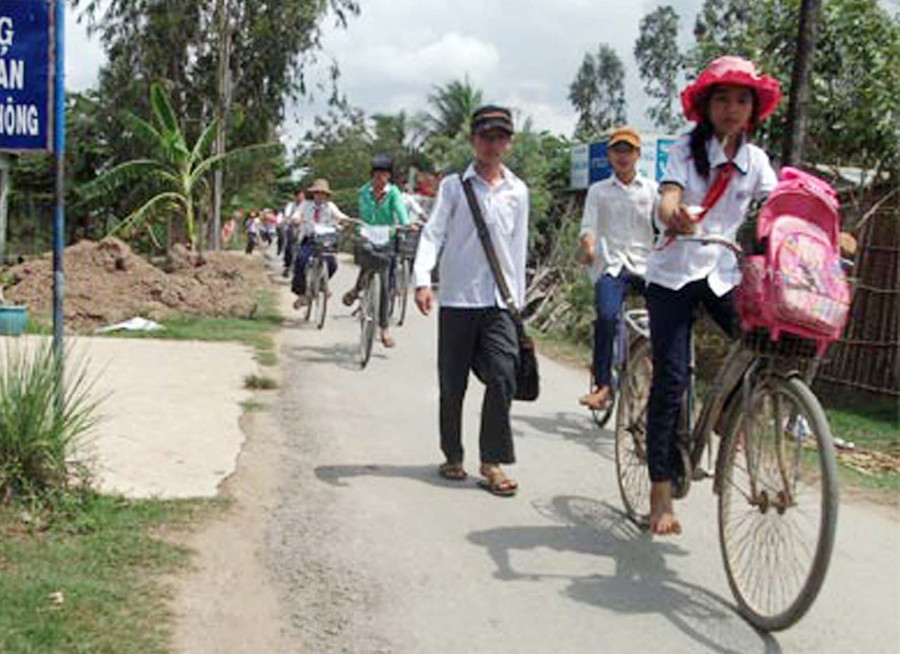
<point x="423" y="299"/>
<point x="679" y="221"/>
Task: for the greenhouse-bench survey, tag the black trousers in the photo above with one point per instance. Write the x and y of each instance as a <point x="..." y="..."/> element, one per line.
<point x="482" y="340"/>
<point x="671" y="318"/>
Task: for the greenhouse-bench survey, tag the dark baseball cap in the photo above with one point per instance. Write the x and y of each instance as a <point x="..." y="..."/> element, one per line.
<point x="492" y="117"/>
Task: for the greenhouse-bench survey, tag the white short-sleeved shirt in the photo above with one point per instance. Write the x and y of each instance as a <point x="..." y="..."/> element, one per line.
<point x="620" y="218"/>
<point x="312" y="214"/>
<point x="680" y="263"/>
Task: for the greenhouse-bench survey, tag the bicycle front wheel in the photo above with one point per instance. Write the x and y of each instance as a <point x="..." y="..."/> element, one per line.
<point x="321" y="295"/>
<point x="778" y="502"/>
<point x="368" y="315"/>
<point x="403" y="288"/>
<point x="631" y="432"/>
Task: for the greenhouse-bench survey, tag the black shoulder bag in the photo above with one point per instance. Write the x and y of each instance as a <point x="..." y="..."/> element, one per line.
<point x="527" y="378"/>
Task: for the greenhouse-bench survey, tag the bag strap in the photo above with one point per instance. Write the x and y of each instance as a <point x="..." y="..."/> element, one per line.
<point x="488" y="246"/>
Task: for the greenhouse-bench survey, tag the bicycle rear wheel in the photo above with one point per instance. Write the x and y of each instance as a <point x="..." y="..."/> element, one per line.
<point x="778" y="502"/>
<point x="321" y="295"/>
<point x="368" y="315"/>
<point x="631" y="432"/>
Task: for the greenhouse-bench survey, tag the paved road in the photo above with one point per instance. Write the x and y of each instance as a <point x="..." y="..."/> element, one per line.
<point x="373" y="552"/>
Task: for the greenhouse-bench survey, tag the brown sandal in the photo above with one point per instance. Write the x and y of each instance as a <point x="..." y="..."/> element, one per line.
<point x="452" y="471"/>
<point x="497" y="483"/>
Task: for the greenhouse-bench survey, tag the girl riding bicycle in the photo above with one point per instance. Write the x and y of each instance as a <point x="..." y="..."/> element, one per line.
<point x="712" y="176"/>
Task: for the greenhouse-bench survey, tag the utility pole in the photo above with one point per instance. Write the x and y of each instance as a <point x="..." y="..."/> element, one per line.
<point x="221" y="113"/>
<point x="798" y="103"/>
<point x="5" y="165"/>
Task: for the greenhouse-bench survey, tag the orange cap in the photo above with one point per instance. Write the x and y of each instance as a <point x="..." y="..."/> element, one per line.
<point x="627" y="135"/>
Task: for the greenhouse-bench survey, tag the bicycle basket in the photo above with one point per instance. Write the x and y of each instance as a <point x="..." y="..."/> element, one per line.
<point x="788" y="346"/>
<point x="326" y="242"/>
<point x="408" y="242"/>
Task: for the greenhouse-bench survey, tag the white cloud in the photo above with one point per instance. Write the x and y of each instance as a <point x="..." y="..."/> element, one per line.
<point x="452" y="56"/>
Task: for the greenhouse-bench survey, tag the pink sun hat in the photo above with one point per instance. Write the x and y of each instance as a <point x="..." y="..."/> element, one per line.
<point x="731" y="70"/>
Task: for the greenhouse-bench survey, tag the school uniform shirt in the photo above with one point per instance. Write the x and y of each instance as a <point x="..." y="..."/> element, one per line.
<point x="680" y="263"/>
<point x="619" y="217"/>
<point x="466" y="277"/>
<point x="292" y="211"/>
<point x="312" y="214"/>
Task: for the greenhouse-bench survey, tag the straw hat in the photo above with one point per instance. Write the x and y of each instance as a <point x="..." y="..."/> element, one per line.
<point x="320" y="186"/>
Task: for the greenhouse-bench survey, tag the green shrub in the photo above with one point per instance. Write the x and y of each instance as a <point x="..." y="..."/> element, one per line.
<point x="39" y="427"/>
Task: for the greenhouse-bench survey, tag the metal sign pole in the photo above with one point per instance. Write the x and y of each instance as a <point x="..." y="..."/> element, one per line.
<point x="59" y="142"/>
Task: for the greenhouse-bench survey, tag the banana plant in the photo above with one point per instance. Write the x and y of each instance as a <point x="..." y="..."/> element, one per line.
<point x="177" y="173"/>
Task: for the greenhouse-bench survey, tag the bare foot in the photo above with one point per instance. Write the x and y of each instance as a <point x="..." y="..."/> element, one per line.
<point x="662" y="516"/>
<point x="596" y="400"/>
<point x="386" y="339"/>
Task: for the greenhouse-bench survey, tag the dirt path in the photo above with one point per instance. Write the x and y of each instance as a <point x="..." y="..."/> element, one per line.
<point x="344" y="540"/>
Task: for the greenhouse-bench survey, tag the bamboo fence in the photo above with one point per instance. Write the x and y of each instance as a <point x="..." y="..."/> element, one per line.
<point x="867" y="358"/>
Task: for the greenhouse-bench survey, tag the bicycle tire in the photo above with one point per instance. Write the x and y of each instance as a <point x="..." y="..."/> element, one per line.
<point x="368" y="315"/>
<point x="777" y="522"/>
<point x="310" y="289"/>
<point x="321" y="296"/>
<point x="631" y="432"/>
<point x="403" y="288"/>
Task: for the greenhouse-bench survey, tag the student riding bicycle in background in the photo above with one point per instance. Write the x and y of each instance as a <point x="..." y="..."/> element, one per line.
<point x="380" y="205"/>
<point x="616" y="237"/>
<point x="712" y="176"/>
<point x="321" y="211"/>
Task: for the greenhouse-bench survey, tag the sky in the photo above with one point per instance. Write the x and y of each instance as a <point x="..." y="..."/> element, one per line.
<point x="521" y="53"/>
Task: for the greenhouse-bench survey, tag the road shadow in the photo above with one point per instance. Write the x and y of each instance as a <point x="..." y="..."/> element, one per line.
<point x="641" y="583"/>
<point x="339" y="475"/>
<point x="342" y="355"/>
<point x="578" y="428"/>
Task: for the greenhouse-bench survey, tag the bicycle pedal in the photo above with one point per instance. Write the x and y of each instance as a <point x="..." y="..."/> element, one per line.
<point x="699" y="474"/>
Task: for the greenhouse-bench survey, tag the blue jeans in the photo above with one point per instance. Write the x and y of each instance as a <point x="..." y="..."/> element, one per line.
<point x="671" y="318"/>
<point x="609" y="293"/>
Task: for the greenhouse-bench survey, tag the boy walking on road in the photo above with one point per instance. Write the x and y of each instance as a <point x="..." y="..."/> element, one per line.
<point x="475" y="330"/>
<point x="616" y="237"/>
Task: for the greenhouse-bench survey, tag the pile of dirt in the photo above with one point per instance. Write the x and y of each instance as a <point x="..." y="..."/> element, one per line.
<point x="105" y="283"/>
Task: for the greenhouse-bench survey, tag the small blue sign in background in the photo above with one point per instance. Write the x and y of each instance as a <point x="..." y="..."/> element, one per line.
<point x="599" y="163"/>
<point x="25" y="75"/>
<point x="662" y="155"/>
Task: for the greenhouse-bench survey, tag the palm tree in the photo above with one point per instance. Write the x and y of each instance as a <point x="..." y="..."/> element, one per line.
<point x="175" y="172"/>
<point x="453" y="105"/>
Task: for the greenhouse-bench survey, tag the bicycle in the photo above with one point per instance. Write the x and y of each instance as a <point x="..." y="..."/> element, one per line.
<point x="774" y="475"/>
<point x="406" y="242"/>
<point x="325" y="242"/>
<point x="374" y="254"/>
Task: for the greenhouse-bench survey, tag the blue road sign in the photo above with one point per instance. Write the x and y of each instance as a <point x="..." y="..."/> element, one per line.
<point x="25" y="111"/>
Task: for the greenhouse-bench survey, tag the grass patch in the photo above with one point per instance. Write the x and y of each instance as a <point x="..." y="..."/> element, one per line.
<point x="256" y="332"/>
<point x="81" y="578"/>
<point x="251" y="406"/>
<point x="260" y="382"/>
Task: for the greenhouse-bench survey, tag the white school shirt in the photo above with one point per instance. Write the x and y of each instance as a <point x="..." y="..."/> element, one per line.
<point x="466" y="277"/>
<point x="680" y="263"/>
<point x="328" y="215"/>
<point x="619" y="217"/>
<point x="292" y="211"/>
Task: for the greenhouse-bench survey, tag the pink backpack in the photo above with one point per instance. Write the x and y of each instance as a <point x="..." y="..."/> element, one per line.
<point x="798" y="285"/>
